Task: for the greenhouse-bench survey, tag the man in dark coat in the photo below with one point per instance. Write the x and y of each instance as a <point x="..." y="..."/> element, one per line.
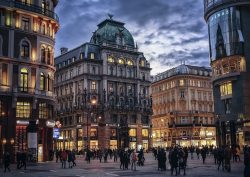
<point x="6" y="161"/>
<point x="173" y="159"/>
<point x="247" y="162"/>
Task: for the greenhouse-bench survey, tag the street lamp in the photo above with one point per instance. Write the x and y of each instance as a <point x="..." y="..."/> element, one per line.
<point x="4" y="141"/>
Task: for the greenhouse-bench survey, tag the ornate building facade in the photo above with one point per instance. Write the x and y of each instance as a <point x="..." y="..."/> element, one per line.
<point x="102" y="90"/>
<point x="183" y="107"/>
<point x="27" y="38"/>
<point x="229" y="45"/>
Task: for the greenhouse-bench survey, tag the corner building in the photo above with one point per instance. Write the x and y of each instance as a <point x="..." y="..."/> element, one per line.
<point x="183" y="107"/>
<point x="27" y="38"/>
<point x="102" y="89"/>
<point x="229" y="44"/>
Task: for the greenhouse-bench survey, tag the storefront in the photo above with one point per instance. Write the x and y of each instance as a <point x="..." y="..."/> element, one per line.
<point x="93" y="144"/>
<point x="145" y="144"/>
<point x="113" y="144"/>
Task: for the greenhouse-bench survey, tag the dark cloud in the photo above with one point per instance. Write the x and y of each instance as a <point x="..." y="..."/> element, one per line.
<point x="166" y="31"/>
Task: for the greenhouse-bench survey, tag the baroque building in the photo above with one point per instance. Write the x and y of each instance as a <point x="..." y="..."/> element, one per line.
<point x="102" y="89"/>
<point x="183" y="107"/>
<point x="229" y="45"/>
<point x="27" y="38"/>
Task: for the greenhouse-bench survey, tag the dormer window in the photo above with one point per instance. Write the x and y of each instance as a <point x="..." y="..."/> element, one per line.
<point x="92" y="56"/>
<point x="142" y="63"/>
<point x="130" y="63"/>
<point x="111" y="59"/>
<point x="121" y="61"/>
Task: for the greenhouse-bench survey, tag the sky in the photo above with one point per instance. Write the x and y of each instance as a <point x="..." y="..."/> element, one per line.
<point x="168" y="32"/>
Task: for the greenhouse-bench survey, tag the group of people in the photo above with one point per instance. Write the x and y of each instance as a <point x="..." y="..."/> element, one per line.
<point x="66" y="156"/>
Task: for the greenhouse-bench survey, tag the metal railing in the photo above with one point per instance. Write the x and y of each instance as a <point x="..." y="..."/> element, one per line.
<point x="30" y="7"/>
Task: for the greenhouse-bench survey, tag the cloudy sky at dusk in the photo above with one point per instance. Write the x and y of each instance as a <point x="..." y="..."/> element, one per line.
<point x="166" y="31"/>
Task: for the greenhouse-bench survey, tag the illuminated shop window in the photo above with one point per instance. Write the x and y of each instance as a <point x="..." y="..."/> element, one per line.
<point x="23" y="110"/>
<point x="93" y="132"/>
<point x="132" y="132"/>
<point x="226" y="89"/>
<point x="145" y="132"/>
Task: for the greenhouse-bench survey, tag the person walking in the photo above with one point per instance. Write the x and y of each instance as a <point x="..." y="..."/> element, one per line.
<point x="23" y="160"/>
<point x="74" y="158"/>
<point x="133" y="161"/>
<point x="198" y="152"/>
<point x="70" y="159"/>
<point x="228" y="156"/>
<point x="247" y="162"/>
<point x="6" y="161"/>
<point x="220" y="158"/>
<point x="64" y="158"/>
<point x="115" y="155"/>
<point x="203" y="154"/>
<point x="173" y="159"/>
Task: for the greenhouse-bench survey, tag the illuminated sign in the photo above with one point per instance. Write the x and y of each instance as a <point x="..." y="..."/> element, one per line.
<point x="56" y="133"/>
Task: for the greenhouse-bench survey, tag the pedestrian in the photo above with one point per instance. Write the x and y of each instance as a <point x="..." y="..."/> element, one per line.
<point x="203" y="154"/>
<point x="228" y="156"/>
<point x="6" y="161"/>
<point x="247" y="162"/>
<point x="100" y="155"/>
<point x="198" y="152"/>
<point x="215" y="153"/>
<point x="133" y="161"/>
<point x="115" y="155"/>
<point x="74" y="158"/>
<point x="173" y="159"/>
<point x="64" y="158"/>
<point x="57" y="155"/>
<point x="23" y="160"/>
<point x="18" y="159"/>
<point x="237" y="154"/>
<point x="220" y="158"/>
<point x="70" y="159"/>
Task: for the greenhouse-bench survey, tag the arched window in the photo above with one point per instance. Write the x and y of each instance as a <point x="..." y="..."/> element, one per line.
<point x="25" y="49"/>
<point x="111" y="59"/>
<point x="24" y="80"/>
<point x="49" y="56"/>
<point x="130" y="63"/>
<point x="142" y="63"/>
<point x="121" y="61"/>
<point x="42" y="81"/>
<point x="43" y="54"/>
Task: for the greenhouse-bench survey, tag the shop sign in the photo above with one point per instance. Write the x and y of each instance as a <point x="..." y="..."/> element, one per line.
<point x="50" y="123"/>
<point x="56" y="133"/>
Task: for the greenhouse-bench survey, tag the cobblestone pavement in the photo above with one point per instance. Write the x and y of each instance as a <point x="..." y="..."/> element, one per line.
<point x="195" y="168"/>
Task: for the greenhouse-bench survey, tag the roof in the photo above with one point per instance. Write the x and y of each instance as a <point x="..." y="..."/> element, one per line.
<point x="184" y="70"/>
<point x="108" y="30"/>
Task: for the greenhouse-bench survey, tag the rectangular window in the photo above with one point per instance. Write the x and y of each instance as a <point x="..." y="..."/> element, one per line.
<point x="25" y="24"/>
<point x="144" y="132"/>
<point x="4" y="74"/>
<point x="23" y="110"/>
<point x="93" y="132"/>
<point x="92" y="56"/>
<point x="93" y="85"/>
<point x="181" y="82"/>
<point x="43" y="111"/>
<point x="226" y="89"/>
<point x="132" y="132"/>
<point x="80" y="133"/>
<point x="113" y="132"/>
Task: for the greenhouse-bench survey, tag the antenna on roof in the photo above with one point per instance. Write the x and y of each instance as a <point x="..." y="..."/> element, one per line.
<point x="110" y="16"/>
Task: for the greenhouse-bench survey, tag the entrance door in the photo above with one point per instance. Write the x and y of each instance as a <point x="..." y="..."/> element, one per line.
<point x="40" y="152"/>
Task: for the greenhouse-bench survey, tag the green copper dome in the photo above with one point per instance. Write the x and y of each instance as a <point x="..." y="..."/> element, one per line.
<point x="114" y="32"/>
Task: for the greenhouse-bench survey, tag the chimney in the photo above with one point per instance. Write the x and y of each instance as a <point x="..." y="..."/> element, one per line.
<point x="64" y="50"/>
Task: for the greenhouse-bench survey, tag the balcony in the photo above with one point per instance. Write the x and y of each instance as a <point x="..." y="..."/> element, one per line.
<point x="30" y="7"/>
<point x="209" y="5"/>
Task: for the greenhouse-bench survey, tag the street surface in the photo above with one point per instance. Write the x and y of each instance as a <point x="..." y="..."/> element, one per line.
<point x="195" y="168"/>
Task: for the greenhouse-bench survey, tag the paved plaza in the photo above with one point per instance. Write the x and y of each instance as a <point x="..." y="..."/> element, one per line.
<point x="95" y="169"/>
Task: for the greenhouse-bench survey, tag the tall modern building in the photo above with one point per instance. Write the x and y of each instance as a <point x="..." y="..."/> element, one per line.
<point x="183" y="107"/>
<point x="229" y="45"/>
<point x="27" y="38"/>
<point x="102" y="89"/>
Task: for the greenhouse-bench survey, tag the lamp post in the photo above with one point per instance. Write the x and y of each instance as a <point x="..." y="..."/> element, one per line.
<point x="4" y="141"/>
<point x="162" y="122"/>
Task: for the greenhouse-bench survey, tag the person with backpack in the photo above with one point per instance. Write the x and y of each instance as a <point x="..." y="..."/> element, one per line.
<point x="6" y="161"/>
